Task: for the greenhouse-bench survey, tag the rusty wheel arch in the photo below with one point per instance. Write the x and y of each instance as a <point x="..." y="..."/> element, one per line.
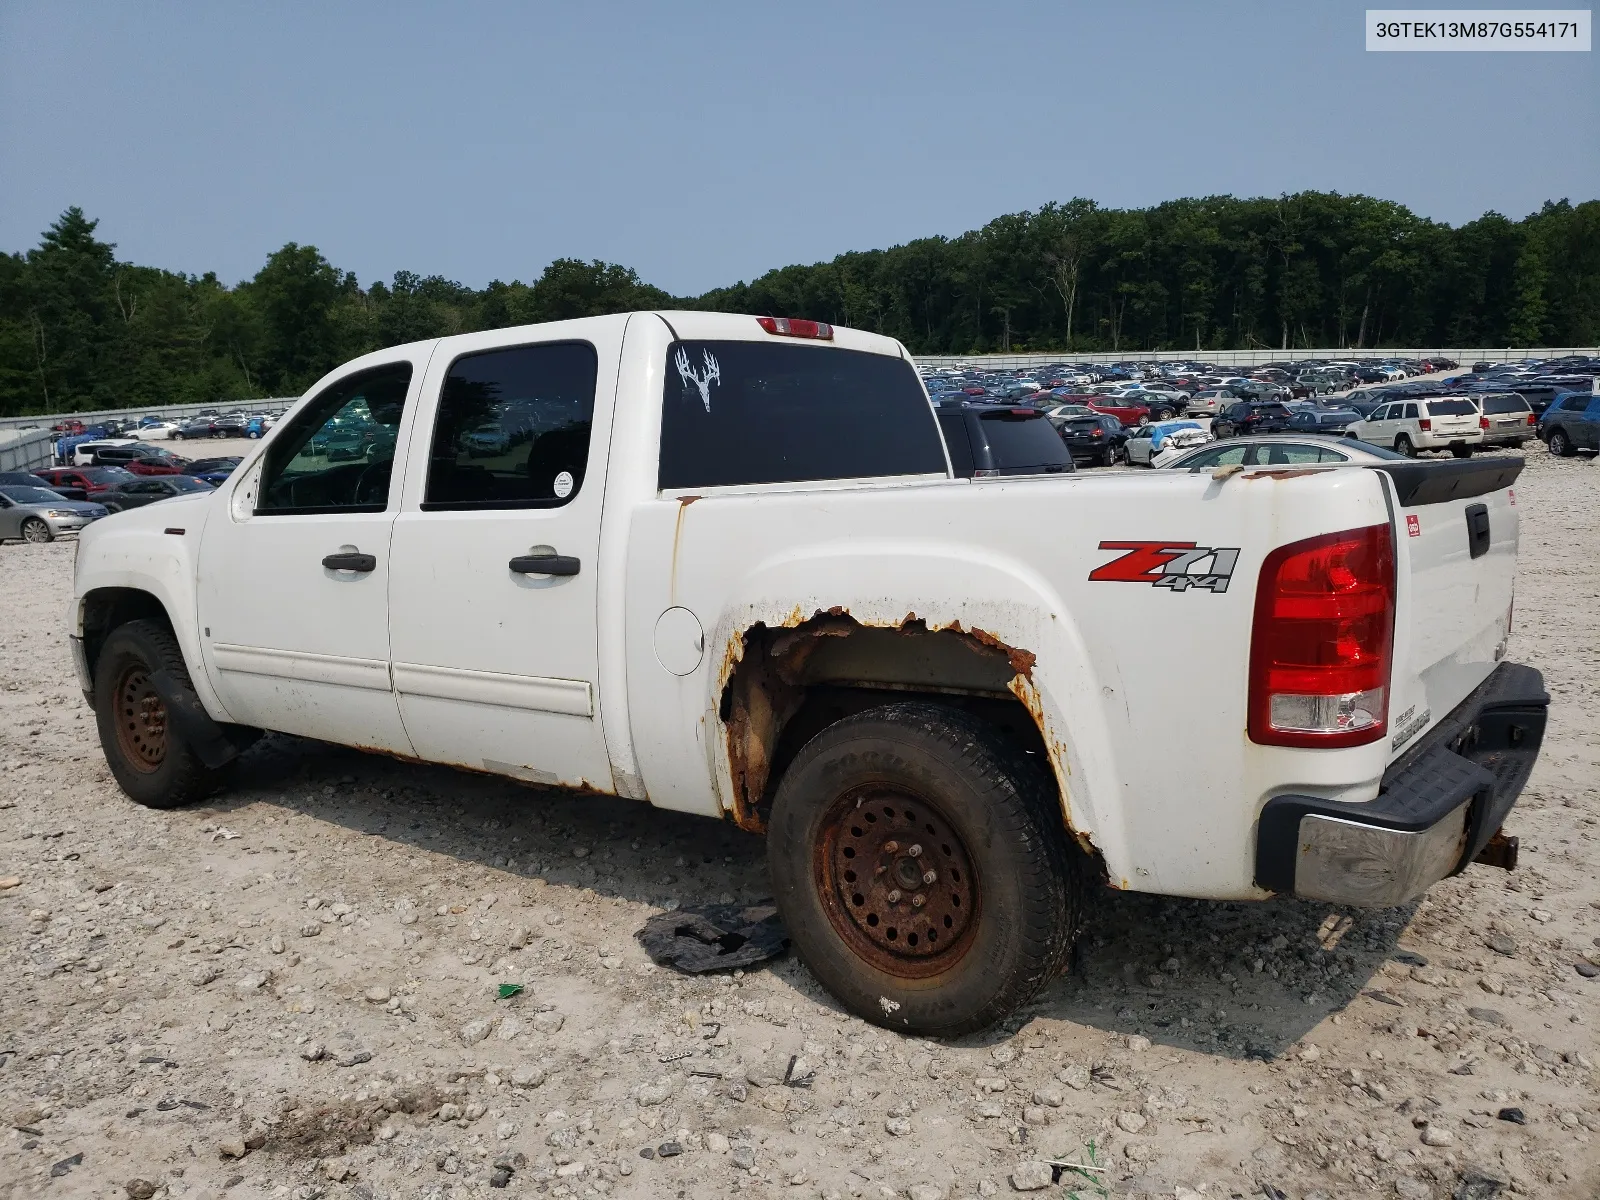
<point x="785" y="683"/>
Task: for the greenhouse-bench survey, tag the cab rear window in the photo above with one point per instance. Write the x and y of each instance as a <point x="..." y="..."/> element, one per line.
<point x="739" y="413"/>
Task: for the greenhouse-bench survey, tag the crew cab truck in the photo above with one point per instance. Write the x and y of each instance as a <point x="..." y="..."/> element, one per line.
<point x="723" y="566"/>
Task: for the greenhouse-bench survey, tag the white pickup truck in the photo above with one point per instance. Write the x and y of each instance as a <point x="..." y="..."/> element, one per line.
<point x="720" y="564"/>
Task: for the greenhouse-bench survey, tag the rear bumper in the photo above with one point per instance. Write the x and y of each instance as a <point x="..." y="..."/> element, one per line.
<point x="1436" y="808"/>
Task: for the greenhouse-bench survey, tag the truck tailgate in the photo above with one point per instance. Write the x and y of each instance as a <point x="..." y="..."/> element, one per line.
<point x="1456" y="529"/>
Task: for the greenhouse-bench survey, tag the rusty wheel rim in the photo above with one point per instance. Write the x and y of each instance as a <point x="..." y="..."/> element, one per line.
<point x="141" y="721"/>
<point x="897" y="882"/>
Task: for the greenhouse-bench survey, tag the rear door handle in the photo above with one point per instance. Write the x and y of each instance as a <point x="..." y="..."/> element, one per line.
<point x="351" y="562"/>
<point x="544" y="564"/>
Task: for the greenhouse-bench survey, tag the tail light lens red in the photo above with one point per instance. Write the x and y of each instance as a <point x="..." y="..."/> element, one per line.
<point x="1533" y="418"/>
<point x="1425" y="424"/>
<point x="1483" y="422"/>
<point x="1322" y="642"/>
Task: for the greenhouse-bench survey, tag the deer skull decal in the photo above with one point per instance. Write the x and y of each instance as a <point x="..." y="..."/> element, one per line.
<point x="702" y="380"/>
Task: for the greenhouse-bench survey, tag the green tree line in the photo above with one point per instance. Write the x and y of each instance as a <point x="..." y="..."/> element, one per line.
<point x="80" y="329"/>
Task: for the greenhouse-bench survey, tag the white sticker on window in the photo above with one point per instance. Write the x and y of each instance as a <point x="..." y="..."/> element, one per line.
<point x="563" y="485"/>
<point x="702" y="380"/>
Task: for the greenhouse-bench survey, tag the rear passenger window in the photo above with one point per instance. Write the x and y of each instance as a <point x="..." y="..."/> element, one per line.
<point x="513" y="427"/>
<point x="761" y="412"/>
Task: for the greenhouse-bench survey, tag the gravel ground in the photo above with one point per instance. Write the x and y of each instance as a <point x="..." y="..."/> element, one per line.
<point x="291" y="991"/>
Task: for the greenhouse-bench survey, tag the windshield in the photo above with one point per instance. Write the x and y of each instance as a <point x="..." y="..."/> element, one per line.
<point x="31" y="495"/>
<point x="106" y="474"/>
<point x="187" y="483"/>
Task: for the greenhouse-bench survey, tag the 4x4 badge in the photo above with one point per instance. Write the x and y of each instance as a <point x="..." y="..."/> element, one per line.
<point x="1176" y="565"/>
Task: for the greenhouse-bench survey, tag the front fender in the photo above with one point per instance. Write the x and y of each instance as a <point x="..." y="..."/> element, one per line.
<point x="154" y="550"/>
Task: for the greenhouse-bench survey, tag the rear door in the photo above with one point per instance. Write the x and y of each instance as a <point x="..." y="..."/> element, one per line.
<point x="492" y="610"/>
<point x="1588" y="430"/>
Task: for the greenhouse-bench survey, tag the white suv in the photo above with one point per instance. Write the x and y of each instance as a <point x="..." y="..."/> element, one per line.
<point x="1450" y="423"/>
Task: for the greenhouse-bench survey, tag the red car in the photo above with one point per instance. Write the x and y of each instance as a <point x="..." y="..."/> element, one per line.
<point x="91" y="479"/>
<point x="67" y="427"/>
<point x="154" y="464"/>
<point x="1129" y="412"/>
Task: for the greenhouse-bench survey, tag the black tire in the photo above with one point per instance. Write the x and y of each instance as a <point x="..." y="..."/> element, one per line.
<point x="1108" y="457"/>
<point x="1402" y="445"/>
<point x="924" y="767"/>
<point x="1560" y="444"/>
<point x="1461" y="451"/>
<point x="36" y="531"/>
<point x="150" y="761"/>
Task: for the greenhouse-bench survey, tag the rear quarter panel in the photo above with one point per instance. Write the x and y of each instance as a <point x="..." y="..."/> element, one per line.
<point x="1140" y="691"/>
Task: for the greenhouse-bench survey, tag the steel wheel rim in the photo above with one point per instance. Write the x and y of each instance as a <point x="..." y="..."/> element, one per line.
<point x="877" y="847"/>
<point x="141" y="721"/>
<point x="36" y="531"/>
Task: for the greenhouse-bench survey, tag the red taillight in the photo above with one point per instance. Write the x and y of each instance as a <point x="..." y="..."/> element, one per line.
<point x="1322" y="639"/>
<point x="1425" y="424"/>
<point x="1483" y="422"/>
<point x="1533" y="418"/>
<point x="796" y="327"/>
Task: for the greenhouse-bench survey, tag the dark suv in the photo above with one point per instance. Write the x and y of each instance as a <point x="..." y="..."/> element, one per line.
<point x="1092" y="439"/>
<point x="991" y="441"/>
<point x="1251" y="417"/>
<point x="1571" y="423"/>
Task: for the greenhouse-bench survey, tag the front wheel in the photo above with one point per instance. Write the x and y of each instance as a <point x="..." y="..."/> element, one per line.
<point x="150" y="760"/>
<point x="921" y="866"/>
<point x="36" y="531"/>
<point x="1560" y="444"/>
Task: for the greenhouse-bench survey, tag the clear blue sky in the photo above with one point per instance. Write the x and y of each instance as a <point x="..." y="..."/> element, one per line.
<point x="703" y="142"/>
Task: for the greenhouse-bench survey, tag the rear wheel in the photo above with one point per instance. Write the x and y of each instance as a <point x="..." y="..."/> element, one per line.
<point x="1461" y="451"/>
<point x="150" y="760"/>
<point x="36" y="531"/>
<point x="1108" y="456"/>
<point x="1402" y="445"/>
<point x="1560" y="444"/>
<point x="921" y="866"/>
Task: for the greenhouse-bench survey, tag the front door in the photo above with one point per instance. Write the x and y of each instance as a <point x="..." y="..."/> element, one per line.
<point x="295" y="569"/>
<point x="492" y="607"/>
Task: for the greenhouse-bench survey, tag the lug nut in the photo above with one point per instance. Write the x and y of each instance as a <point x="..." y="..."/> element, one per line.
<point x="918" y="901"/>
<point x="915" y="851"/>
<point x="891" y="847"/>
<point x="930" y="877"/>
<point x="894" y="896"/>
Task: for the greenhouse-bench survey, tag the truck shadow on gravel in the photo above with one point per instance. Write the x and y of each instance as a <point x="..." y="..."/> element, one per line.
<point x="1235" y="980"/>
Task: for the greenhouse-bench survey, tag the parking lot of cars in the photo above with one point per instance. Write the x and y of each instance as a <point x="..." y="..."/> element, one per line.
<point x="1405" y="406"/>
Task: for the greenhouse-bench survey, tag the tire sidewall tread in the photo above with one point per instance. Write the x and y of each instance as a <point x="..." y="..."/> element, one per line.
<point x="1008" y="814"/>
<point x="182" y="778"/>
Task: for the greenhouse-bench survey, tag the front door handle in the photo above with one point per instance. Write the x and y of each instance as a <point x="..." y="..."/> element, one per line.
<point x="544" y="564"/>
<point x="351" y="562"/>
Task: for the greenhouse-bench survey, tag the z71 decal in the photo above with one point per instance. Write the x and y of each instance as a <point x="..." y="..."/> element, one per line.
<point x="1176" y="565"/>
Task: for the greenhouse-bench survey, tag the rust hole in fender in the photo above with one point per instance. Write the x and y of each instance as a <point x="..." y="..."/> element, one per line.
<point x="774" y="674"/>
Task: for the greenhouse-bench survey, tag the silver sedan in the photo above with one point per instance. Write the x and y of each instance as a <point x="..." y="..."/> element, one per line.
<point x="37" y="514"/>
